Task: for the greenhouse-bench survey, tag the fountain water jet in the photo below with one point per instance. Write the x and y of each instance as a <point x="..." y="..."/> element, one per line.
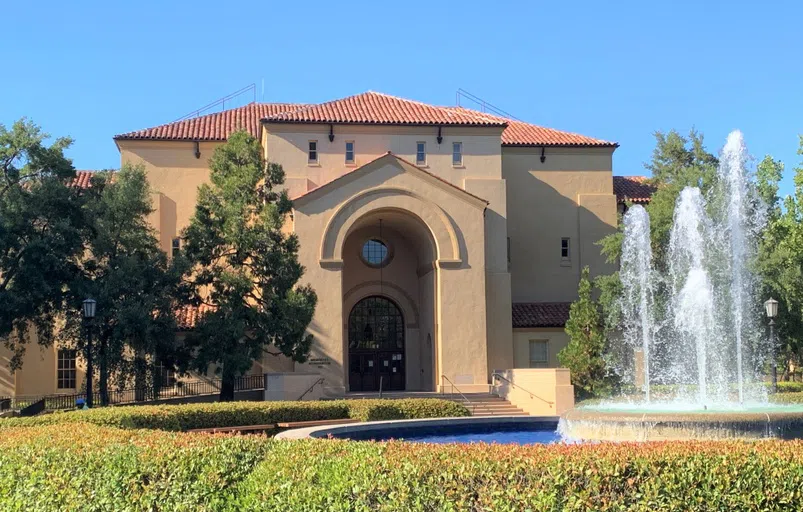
<point x="637" y="282"/>
<point x="695" y="323"/>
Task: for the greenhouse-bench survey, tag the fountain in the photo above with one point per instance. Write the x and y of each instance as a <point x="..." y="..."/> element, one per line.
<point x="694" y="324"/>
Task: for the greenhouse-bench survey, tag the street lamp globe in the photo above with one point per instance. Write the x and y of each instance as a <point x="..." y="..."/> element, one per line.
<point x="772" y="308"/>
<point x="89" y="308"/>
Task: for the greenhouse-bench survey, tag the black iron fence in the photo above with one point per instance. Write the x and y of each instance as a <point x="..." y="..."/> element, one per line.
<point x="180" y="389"/>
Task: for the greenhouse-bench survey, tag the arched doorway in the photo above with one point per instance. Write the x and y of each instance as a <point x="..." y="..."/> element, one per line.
<point x="376" y="345"/>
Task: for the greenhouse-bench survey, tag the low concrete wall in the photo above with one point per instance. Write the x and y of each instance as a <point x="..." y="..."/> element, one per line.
<point x="533" y="388"/>
<point x="290" y="386"/>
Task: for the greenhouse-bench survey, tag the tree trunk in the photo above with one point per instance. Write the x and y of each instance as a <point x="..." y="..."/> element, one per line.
<point x="227" y="388"/>
<point x="104" y="375"/>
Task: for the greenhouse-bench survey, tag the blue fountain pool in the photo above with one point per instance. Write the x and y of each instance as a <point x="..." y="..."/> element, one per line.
<point x="500" y="432"/>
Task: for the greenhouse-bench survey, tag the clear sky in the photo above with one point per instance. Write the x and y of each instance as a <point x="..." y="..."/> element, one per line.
<point x="617" y="70"/>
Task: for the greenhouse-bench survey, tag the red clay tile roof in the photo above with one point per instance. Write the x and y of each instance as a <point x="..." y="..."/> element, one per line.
<point x="366" y="108"/>
<point x="634" y="189"/>
<point x="212" y="127"/>
<point x="187" y="316"/>
<point x="81" y="179"/>
<point x="540" y="314"/>
<point x="519" y="133"/>
<point x="377" y="108"/>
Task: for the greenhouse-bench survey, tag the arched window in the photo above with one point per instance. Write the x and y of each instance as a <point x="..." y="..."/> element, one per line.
<point x="376" y="324"/>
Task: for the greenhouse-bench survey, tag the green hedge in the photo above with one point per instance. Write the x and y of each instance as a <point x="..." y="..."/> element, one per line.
<point x="91" y="468"/>
<point x="228" y="414"/>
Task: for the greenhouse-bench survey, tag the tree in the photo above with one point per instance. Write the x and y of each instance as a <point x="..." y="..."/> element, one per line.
<point x="584" y="355"/>
<point x="127" y="273"/>
<point x="780" y="259"/>
<point x="41" y="228"/>
<point x="245" y="266"/>
<point x="677" y="162"/>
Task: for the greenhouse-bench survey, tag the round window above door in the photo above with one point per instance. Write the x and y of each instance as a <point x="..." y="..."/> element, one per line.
<point x="375" y="253"/>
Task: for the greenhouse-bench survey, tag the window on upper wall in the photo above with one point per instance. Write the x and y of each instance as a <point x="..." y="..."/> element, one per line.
<point x="421" y="153"/>
<point x="457" y="153"/>
<point x="167" y="376"/>
<point x="565" y="254"/>
<point x="349" y="151"/>
<point x="66" y="369"/>
<point x="539" y="353"/>
<point x="175" y="247"/>
<point x="312" y="154"/>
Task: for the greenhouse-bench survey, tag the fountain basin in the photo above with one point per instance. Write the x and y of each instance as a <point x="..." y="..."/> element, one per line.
<point x="589" y="423"/>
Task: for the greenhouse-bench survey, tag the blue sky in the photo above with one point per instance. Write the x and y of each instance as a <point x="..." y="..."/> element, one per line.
<point x="615" y="70"/>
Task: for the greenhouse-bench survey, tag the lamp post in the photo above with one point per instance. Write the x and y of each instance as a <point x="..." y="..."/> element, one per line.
<point x="88" y="307"/>
<point x="772" y="311"/>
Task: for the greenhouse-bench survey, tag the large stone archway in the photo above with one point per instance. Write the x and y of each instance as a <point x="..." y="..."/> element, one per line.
<point x="435" y="233"/>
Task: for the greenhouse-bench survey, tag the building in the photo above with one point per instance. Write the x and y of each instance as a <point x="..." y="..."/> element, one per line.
<point x="443" y="242"/>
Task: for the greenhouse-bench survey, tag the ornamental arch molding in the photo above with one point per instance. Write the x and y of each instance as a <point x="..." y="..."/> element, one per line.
<point x="428" y="213"/>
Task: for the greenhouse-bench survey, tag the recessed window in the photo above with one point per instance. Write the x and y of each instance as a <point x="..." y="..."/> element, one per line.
<point x="565" y="255"/>
<point x="312" y="153"/>
<point x="457" y="153"/>
<point x="421" y="153"/>
<point x="349" y="151"/>
<point x="375" y="252"/>
<point x="539" y="353"/>
<point x="65" y="371"/>
<point x="175" y="247"/>
<point x="167" y="376"/>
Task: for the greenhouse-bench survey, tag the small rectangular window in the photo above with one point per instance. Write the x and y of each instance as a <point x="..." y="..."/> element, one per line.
<point x="175" y="247"/>
<point x="349" y="151"/>
<point x="66" y="369"/>
<point x="167" y="376"/>
<point x="457" y="153"/>
<point x="312" y="155"/>
<point x="539" y="353"/>
<point x="421" y="153"/>
<point x="564" y="249"/>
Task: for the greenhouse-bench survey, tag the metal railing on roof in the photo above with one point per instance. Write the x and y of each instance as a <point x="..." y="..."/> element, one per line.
<point x="221" y="102"/>
<point x="484" y="105"/>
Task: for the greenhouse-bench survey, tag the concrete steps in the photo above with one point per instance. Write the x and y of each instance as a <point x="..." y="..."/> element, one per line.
<point x="486" y="404"/>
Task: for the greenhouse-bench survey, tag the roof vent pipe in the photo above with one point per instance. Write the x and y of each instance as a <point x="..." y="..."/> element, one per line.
<point x="197" y="149"/>
<point x="331" y="133"/>
<point x="440" y="138"/>
<point x="543" y="156"/>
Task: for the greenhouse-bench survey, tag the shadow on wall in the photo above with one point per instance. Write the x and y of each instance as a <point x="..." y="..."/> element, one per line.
<point x="539" y="217"/>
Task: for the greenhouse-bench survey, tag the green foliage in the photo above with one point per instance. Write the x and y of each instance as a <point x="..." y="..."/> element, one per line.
<point x="584" y="355"/>
<point x="780" y="260"/>
<point x="245" y="266"/>
<point x="229" y="414"/>
<point x="41" y="226"/>
<point x="91" y="468"/>
<point x="400" y="476"/>
<point x="128" y="274"/>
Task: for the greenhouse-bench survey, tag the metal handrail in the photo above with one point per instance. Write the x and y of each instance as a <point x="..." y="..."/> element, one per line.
<point x="532" y="395"/>
<point x="319" y="381"/>
<point x="472" y="404"/>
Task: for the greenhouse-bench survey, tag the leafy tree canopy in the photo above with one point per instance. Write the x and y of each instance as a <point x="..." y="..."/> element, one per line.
<point x="245" y="266"/>
<point x="41" y="230"/>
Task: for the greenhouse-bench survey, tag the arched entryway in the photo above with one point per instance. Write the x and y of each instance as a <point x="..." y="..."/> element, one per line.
<point x="376" y="345"/>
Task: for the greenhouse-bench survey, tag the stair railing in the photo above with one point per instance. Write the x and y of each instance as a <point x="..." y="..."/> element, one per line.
<point x="455" y="388"/>
<point x="514" y="386"/>
<point x="319" y="381"/>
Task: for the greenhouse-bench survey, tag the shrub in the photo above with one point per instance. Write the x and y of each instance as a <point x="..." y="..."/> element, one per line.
<point x="228" y="414"/>
<point x="89" y="468"/>
<point x="337" y="475"/>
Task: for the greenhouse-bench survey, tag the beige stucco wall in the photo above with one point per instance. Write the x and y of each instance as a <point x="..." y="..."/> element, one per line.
<point x="539" y="392"/>
<point x="287" y="145"/>
<point x="556" y="337"/>
<point x="175" y="174"/>
<point x="569" y="195"/>
<point x="38" y="374"/>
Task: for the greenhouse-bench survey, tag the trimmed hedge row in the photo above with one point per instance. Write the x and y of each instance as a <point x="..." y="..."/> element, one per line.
<point x="339" y="476"/>
<point x="91" y="468"/>
<point x="229" y="414"/>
